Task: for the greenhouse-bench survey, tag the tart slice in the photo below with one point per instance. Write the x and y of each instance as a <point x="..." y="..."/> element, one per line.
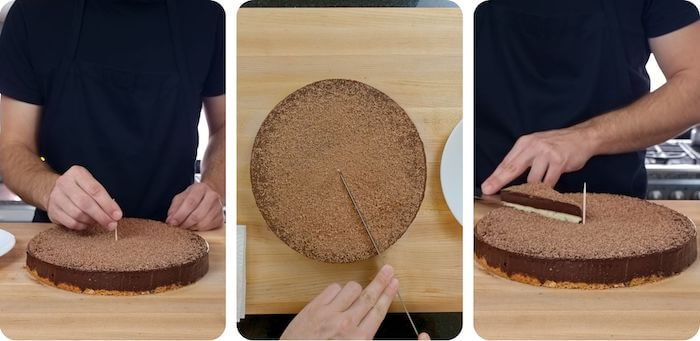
<point x="541" y="199"/>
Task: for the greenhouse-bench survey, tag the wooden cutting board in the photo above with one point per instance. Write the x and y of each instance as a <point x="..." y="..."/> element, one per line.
<point x="30" y="310"/>
<point x="669" y="309"/>
<point x="414" y="56"/>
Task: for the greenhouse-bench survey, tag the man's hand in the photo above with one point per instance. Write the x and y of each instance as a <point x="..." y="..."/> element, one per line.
<point x="197" y="208"/>
<point x="627" y="129"/>
<point x="548" y="154"/>
<point x="78" y="201"/>
<point x="346" y="313"/>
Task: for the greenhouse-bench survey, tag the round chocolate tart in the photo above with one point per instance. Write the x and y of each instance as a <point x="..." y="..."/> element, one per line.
<point x="324" y="127"/>
<point x="624" y="242"/>
<point x="149" y="257"/>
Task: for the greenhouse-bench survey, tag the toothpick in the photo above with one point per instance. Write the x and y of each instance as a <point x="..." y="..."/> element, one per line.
<point x="116" y="235"/>
<point x="584" y="203"/>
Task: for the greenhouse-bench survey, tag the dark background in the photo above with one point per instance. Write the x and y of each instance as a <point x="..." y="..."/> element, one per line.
<point x="440" y="326"/>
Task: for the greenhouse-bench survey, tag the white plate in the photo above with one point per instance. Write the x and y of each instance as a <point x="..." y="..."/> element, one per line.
<point x="451" y="172"/>
<point x="7" y="242"/>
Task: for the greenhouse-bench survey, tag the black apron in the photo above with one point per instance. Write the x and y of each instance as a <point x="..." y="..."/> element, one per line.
<point x="536" y="72"/>
<point x="138" y="130"/>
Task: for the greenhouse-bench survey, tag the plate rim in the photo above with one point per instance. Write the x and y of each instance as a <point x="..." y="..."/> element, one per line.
<point x="442" y="159"/>
<point x="13" y="242"/>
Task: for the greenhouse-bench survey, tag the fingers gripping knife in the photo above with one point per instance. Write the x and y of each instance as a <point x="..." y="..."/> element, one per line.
<point x="374" y="243"/>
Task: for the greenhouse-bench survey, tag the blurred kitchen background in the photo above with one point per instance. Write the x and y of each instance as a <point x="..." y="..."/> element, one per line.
<point x="12" y="209"/>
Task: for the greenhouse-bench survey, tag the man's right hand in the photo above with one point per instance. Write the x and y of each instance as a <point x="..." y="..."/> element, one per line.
<point x="78" y="201"/>
<point x="348" y="312"/>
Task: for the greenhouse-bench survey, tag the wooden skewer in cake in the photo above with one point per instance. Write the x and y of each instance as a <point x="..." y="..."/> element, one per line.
<point x="116" y="234"/>
<point x="583" y="215"/>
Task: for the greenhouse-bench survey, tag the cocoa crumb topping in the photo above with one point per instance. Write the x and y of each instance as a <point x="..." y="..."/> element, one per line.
<point x="541" y="190"/>
<point x="142" y="245"/>
<point x="325" y="126"/>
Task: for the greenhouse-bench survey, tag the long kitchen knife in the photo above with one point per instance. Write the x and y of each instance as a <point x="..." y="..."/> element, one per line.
<point x="371" y="238"/>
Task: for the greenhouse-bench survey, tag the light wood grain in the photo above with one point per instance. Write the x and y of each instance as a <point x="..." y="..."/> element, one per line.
<point x="412" y="55"/>
<point x="669" y="309"/>
<point x="30" y="310"/>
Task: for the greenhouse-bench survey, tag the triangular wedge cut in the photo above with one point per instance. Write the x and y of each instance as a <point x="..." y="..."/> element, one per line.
<point x="541" y="199"/>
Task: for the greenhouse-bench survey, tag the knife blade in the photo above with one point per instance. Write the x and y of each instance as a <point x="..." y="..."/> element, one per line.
<point x="489" y="199"/>
<point x="374" y="243"/>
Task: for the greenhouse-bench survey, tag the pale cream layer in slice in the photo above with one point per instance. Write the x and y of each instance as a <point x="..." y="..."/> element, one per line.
<point x="547" y="213"/>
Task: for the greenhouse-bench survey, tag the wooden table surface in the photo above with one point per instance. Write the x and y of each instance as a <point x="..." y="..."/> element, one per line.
<point x="30" y="310"/>
<point x="669" y="309"/>
<point x="414" y="56"/>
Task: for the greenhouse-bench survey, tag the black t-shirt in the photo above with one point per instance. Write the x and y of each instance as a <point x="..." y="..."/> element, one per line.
<point x="133" y="35"/>
<point x="550" y="64"/>
<point x="126" y="102"/>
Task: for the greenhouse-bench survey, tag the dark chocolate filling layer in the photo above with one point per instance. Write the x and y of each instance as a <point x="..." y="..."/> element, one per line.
<point x="541" y="196"/>
<point x="132" y="281"/>
<point x="541" y="203"/>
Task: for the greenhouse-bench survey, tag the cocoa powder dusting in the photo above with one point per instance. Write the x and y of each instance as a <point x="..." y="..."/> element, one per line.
<point x="325" y="126"/>
<point x="142" y="245"/>
<point x="616" y="226"/>
<point x="541" y="190"/>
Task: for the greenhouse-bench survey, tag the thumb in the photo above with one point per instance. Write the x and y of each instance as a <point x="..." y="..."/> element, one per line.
<point x="423" y="336"/>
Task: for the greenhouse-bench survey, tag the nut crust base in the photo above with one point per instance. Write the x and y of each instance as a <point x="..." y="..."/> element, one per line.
<point x="101" y="292"/>
<point x="523" y="278"/>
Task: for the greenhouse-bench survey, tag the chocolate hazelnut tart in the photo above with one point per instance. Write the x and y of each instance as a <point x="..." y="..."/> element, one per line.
<point x="323" y="127"/>
<point x="624" y="242"/>
<point x="149" y="257"/>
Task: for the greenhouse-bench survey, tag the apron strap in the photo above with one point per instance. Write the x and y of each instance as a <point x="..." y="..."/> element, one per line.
<point x="77" y="27"/>
<point x="180" y="59"/>
<point x="620" y="52"/>
<point x="69" y="54"/>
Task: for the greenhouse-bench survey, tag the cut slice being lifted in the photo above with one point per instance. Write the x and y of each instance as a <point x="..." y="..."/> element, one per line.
<point x="541" y="199"/>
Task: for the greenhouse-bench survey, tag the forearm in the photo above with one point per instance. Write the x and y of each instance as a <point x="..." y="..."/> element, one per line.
<point x="214" y="163"/>
<point x="652" y="119"/>
<point x="26" y="175"/>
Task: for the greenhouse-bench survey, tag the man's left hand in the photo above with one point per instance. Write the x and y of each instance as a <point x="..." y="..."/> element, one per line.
<point x="548" y="154"/>
<point x="198" y="208"/>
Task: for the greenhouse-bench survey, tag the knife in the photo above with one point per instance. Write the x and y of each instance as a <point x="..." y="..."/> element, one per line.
<point x="494" y="199"/>
<point x="374" y="243"/>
